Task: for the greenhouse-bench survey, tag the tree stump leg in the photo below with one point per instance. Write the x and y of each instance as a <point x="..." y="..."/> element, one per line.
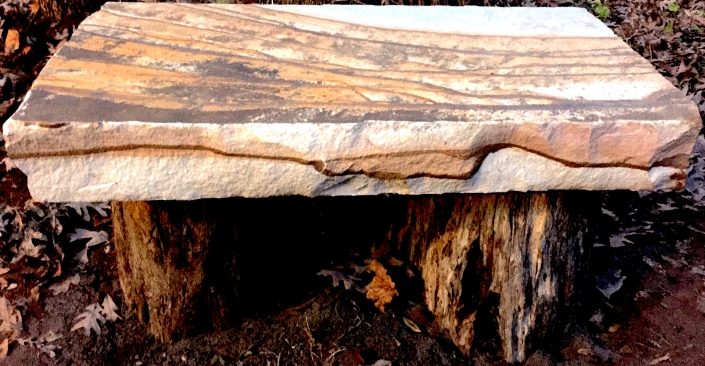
<point x="512" y="260"/>
<point x="177" y="265"/>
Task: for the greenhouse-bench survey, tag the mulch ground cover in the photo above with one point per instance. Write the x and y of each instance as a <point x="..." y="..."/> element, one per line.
<point x="57" y="262"/>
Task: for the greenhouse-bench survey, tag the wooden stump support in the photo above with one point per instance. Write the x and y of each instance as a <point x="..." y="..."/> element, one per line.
<point x="177" y="265"/>
<point x="509" y="261"/>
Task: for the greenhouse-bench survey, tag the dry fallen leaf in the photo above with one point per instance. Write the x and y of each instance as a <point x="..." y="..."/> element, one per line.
<point x="110" y="309"/>
<point x="43" y="343"/>
<point x="50" y="336"/>
<point x="27" y="247"/>
<point x="382" y="289"/>
<point x="699" y="270"/>
<point x="414" y="328"/>
<point x="395" y="262"/>
<point x="34" y="295"/>
<point x="656" y="361"/>
<point x="95" y="238"/>
<point x="91" y="319"/>
<point x="33" y="7"/>
<point x="12" y="41"/>
<point x="625" y="350"/>
<point x="64" y="285"/>
<point x="610" y="283"/>
<point x="10" y="320"/>
<point x="619" y="240"/>
<point x="339" y="277"/>
<point x="4" y="345"/>
<point x="83" y="209"/>
<point x="95" y="315"/>
<point x="382" y="362"/>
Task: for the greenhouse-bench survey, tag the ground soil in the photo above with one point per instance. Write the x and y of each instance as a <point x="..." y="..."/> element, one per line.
<point x="649" y="251"/>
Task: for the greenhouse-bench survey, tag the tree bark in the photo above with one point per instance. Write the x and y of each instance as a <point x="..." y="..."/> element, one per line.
<point x="509" y="261"/>
<point x="177" y="265"/>
<point x="504" y="266"/>
<point x="189" y="266"/>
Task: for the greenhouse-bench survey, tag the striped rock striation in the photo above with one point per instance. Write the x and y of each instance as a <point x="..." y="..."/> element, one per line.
<point x="181" y="102"/>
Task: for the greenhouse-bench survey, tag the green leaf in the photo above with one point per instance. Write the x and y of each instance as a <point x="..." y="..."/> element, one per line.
<point x="600" y="9"/>
<point x="673" y="7"/>
<point x="602" y="12"/>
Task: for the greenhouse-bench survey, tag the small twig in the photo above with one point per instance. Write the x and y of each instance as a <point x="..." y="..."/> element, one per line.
<point x="664" y="290"/>
<point x="660" y="336"/>
<point x="311" y="342"/>
<point x="654" y="343"/>
<point x="329" y="360"/>
<point x="276" y="355"/>
<point x="645" y="346"/>
<point x="336" y="313"/>
<point x="357" y="321"/>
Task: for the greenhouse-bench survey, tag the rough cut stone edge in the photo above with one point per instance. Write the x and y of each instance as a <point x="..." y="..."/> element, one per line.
<point x="178" y="173"/>
<point x="469" y="20"/>
<point x="185" y="175"/>
<point x="122" y="172"/>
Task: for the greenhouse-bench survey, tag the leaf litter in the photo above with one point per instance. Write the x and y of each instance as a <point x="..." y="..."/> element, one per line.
<point x="341" y="279"/>
<point x="94" y="238"/>
<point x="10" y="325"/>
<point x="610" y="283"/>
<point x="90" y="320"/>
<point x="110" y="309"/>
<point x="43" y="344"/>
<point x="96" y="315"/>
<point x="380" y="290"/>
<point x="64" y="285"/>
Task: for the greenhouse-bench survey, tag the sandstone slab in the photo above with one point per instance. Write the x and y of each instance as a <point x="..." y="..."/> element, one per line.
<point x="181" y="102"/>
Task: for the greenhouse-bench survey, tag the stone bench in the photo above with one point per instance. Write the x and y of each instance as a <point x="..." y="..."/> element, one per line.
<point x="490" y="122"/>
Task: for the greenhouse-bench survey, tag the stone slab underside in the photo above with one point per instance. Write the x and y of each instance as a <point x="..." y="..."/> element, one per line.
<point x="178" y="102"/>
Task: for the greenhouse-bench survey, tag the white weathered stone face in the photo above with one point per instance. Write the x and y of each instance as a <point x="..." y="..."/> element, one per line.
<point x="181" y="102"/>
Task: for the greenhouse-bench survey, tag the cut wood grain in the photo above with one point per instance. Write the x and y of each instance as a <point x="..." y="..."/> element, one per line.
<point x="267" y="100"/>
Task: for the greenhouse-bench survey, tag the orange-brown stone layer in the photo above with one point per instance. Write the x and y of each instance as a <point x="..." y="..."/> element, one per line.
<point x="350" y="97"/>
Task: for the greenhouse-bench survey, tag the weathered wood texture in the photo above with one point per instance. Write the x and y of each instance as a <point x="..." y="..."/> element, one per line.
<point x="518" y="256"/>
<point x="185" y="267"/>
<point x="177" y="265"/>
<point x="259" y="101"/>
<point x="504" y="265"/>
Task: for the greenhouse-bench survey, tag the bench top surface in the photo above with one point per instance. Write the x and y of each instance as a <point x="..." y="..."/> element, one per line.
<point x="178" y="101"/>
